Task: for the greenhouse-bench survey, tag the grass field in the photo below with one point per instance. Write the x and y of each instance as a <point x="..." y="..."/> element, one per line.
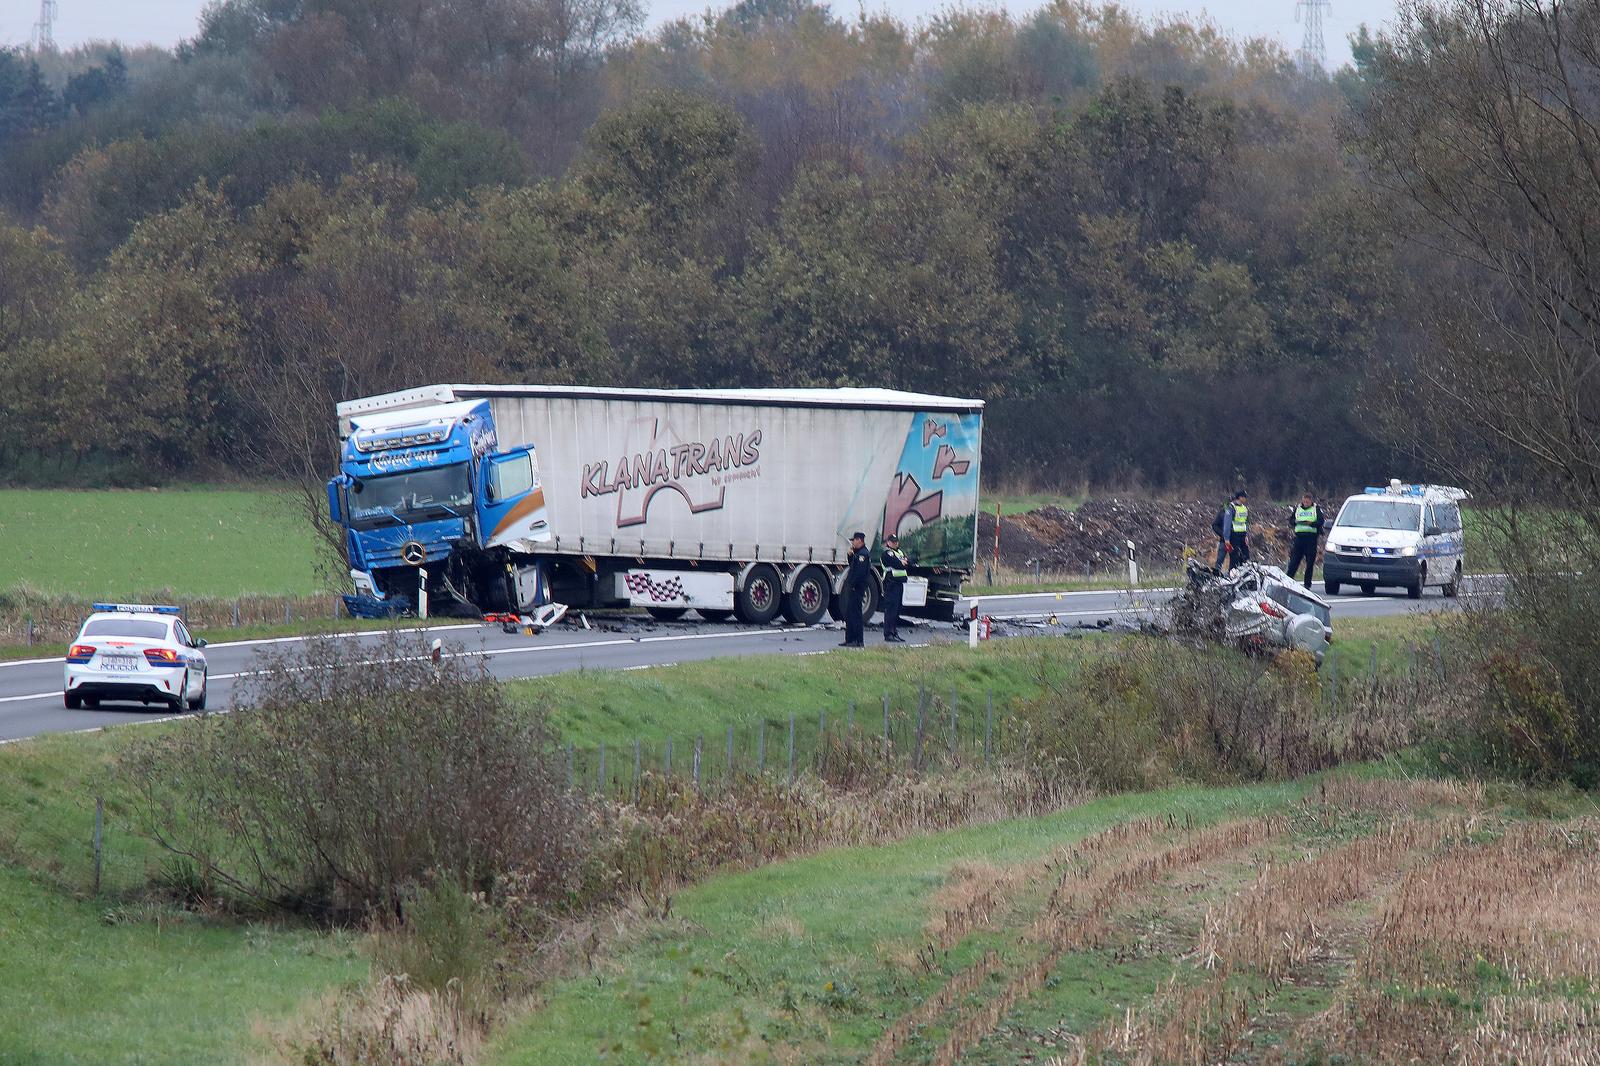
<point x="817" y="956"/>
<point x="129" y="543"/>
<point x="1222" y="925"/>
<point x="87" y="984"/>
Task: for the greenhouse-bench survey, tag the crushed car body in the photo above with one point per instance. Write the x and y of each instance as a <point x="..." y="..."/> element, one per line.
<point x="1256" y="607"/>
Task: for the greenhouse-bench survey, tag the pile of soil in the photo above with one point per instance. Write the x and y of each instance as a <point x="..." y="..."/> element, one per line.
<point x="1094" y="537"/>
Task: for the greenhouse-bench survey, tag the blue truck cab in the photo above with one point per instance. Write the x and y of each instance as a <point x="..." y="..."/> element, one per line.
<point x="428" y="504"/>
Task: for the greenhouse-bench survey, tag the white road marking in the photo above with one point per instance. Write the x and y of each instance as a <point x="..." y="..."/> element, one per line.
<point x="357" y="633"/>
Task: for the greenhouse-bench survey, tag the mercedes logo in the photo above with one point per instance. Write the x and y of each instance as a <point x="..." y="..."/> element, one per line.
<point x="413" y="553"/>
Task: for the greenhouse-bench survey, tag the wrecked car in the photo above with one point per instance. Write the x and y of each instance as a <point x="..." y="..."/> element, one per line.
<point x="1256" y="608"/>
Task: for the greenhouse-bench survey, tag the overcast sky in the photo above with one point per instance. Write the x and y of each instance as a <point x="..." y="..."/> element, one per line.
<point x="164" y="22"/>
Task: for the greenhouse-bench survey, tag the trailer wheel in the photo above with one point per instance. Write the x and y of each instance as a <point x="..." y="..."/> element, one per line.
<point x="758" y="601"/>
<point x="667" y="614"/>
<point x="807" y="602"/>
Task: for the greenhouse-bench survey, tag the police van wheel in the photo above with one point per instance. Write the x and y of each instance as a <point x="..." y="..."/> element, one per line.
<point x="1453" y="589"/>
<point x="1414" y="591"/>
<point x="807" y="602"/>
<point x="1368" y="588"/>
<point x="1330" y="587"/>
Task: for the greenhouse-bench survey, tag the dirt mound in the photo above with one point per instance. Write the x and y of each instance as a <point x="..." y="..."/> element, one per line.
<point x="1094" y="537"/>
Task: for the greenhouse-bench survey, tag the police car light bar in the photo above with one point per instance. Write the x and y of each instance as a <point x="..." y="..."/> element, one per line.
<point x="136" y="608"/>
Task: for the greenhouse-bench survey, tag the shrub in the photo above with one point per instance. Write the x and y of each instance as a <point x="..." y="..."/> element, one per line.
<point x="1155" y="711"/>
<point x="356" y="771"/>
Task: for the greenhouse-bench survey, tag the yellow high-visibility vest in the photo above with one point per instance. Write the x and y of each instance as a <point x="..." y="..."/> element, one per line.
<point x="1305" y="519"/>
<point x="1241" y="518"/>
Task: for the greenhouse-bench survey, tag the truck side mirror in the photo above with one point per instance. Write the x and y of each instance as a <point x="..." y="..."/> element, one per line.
<point x="333" y="501"/>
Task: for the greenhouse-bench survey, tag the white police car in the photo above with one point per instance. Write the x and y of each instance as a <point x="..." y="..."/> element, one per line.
<point x="134" y="651"/>
<point x="1406" y="536"/>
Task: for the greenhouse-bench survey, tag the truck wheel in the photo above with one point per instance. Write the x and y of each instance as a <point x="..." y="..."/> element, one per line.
<point x="1330" y="587"/>
<point x="836" y="608"/>
<point x="869" y="606"/>
<point x="667" y="614"/>
<point x="807" y="602"/>
<point x="757" y="603"/>
<point x="1453" y="589"/>
<point x="714" y="615"/>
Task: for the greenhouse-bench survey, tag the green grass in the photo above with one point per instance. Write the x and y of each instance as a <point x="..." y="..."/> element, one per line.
<point x="748" y="958"/>
<point x="704" y="698"/>
<point x="84" y="985"/>
<point x="127" y="543"/>
<point x="108" y="979"/>
<point x="588" y="707"/>
<point x="1023" y="502"/>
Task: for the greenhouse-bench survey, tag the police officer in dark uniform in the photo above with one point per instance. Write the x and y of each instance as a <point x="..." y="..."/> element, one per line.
<point x="895" y="571"/>
<point x="855" y="590"/>
<point x="1307" y="531"/>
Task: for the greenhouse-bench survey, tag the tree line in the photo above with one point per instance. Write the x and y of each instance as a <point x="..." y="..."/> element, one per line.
<point x="1146" y="245"/>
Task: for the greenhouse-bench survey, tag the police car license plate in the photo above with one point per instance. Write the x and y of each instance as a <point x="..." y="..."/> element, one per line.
<point x="1363" y="575"/>
<point x="119" y="662"/>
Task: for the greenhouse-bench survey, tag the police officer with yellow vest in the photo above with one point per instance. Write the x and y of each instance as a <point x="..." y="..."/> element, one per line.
<point x="1307" y="530"/>
<point x="1239" y="531"/>
<point x="895" y="572"/>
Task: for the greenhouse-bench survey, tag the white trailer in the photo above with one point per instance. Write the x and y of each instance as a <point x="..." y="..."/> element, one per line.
<point x="726" y="501"/>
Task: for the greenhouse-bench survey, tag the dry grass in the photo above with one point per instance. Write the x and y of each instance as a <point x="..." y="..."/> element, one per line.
<point x="389" y="1021"/>
<point x="972" y="895"/>
<point x="1527" y="904"/>
<point x="1103" y="875"/>
<point x="1388" y="796"/>
<point x="1283" y="921"/>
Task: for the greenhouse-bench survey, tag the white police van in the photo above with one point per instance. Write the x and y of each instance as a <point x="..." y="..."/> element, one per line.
<point x="1397" y="536"/>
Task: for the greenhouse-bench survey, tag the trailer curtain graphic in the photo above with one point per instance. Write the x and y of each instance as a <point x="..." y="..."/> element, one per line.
<point x="693" y="469"/>
<point x="933" y="499"/>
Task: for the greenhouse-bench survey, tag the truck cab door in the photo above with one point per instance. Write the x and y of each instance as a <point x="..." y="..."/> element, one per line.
<point x="513" y="506"/>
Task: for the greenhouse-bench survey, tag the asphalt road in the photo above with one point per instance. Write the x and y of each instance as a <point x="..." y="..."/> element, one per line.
<point x="30" y="690"/>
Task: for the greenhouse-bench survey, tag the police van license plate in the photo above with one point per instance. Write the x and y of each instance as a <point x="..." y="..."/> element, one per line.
<point x="1363" y="575"/>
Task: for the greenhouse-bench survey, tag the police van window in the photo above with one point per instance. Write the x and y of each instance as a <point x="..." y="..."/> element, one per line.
<point x="1430" y="519"/>
<point x="511" y="477"/>
<point x="1381" y="514"/>
<point x="1451" y="514"/>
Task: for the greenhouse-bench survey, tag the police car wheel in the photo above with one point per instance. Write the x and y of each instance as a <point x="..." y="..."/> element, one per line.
<point x="72" y="700"/>
<point x="199" y="702"/>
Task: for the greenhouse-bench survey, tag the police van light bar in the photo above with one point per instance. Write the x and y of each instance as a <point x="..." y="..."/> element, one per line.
<point x="137" y="608"/>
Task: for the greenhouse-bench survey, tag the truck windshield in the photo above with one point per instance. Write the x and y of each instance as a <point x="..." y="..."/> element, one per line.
<point x="1381" y="514"/>
<point x="413" y="495"/>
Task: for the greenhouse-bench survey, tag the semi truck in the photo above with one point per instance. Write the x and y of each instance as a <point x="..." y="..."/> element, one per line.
<point x="734" y="503"/>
